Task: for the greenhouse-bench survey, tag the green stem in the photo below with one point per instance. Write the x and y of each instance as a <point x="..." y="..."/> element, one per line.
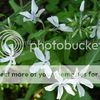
<point x="95" y="5"/>
<point x="67" y="52"/>
<point x="21" y="3"/>
<point x="32" y="89"/>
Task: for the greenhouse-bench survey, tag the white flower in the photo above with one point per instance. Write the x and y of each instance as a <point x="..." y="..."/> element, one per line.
<point x="61" y="84"/>
<point x="34" y="15"/>
<point x="82" y="6"/>
<point x="9" y="50"/>
<point x="78" y="79"/>
<point x="54" y="20"/>
<point x="43" y="64"/>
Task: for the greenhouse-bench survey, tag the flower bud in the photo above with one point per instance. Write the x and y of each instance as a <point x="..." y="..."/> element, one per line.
<point x="82" y="6"/>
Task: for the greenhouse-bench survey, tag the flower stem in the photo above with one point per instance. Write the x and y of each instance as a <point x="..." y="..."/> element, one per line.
<point x="21" y="3"/>
<point x="42" y="24"/>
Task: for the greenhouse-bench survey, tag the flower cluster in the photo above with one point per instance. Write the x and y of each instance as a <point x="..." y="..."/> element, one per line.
<point x="67" y="84"/>
<point x="35" y="17"/>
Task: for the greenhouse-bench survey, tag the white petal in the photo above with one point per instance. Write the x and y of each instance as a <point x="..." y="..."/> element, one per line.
<point x="47" y="63"/>
<point x="39" y="54"/>
<point x="6" y="48"/>
<point x="36" y="67"/>
<point x="40" y="12"/>
<point x="54" y="20"/>
<point x="26" y="19"/>
<point x="13" y="62"/>
<point x="74" y="82"/>
<point x="71" y="81"/>
<point x="84" y="70"/>
<point x="5" y="59"/>
<point x="47" y="71"/>
<point x="86" y="82"/>
<point x="7" y="67"/>
<point x="58" y="76"/>
<point x="81" y="90"/>
<point x="47" y="54"/>
<point x="60" y="92"/>
<point x="69" y="89"/>
<point x="76" y="72"/>
<point x="34" y="7"/>
<point x="65" y="28"/>
<point x="26" y="14"/>
<point x="82" y="6"/>
<point x="51" y="87"/>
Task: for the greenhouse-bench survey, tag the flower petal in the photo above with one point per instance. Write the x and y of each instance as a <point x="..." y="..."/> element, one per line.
<point x="13" y="62"/>
<point x="7" y="67"/>
<point x="74" y="82"/>
<point x="51" y="87"/>
<point x="6" y="48"/>
<point x="40" y="12"/>
<point x="58" y="77"/>
<point x="76" y="72"/>
<point x="60" y="92"/>
<point x="82" y="6"/>
<point x="86" y="82"/>
<point x="5" y="59"/>
<point x="47" y="71"/>
<point x="65" y="28"/>
<point x="26" y="14"/>
<point x="84" y="70"/>
<point x="34" y="7"/>
<point x="71" y="81"/>
<point x="26" y="19"/>
<point x="54" y="20"/>
<point x="36" y="67"/>
<point x="39" y="54"/>
<point x="81" y="90"/>
<point x="69" y="89"/>
<point x="47" y="54"/>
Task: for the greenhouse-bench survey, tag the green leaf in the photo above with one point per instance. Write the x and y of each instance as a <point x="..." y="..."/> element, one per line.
<point x="28" y="27"/>
<point x="49" y="95"/>
<point x="54" y="58"/>
<point x="89" y="57"/>
<point x="14" y="5"/>
<point x="38" y="35"/>
<point x="76" y="97"/>
<point x="26" y="60"/>
<point x="52" y="8"/>
<point x="1" y="95"/>
<point x="57" y="39"/>
<point x="32" y="89"/>
<point x="19" y="20"/>
<point x="53" y="2"/>
<point x="62" y="15"/>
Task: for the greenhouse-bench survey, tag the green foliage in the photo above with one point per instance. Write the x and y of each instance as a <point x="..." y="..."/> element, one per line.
<point x="86" y="97"/>
<point x="14" y="5"/>
<point x="68" y="13"/>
